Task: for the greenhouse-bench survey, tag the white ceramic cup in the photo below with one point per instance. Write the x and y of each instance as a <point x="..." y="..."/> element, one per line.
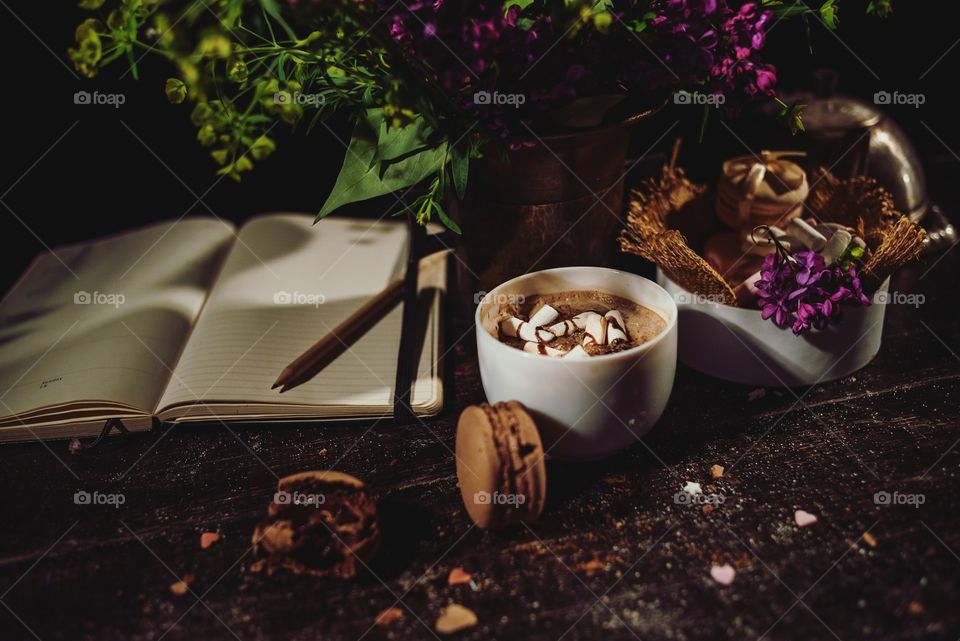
<point x="586" y="408"/>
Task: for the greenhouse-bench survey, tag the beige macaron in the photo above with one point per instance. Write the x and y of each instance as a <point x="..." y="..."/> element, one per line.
<point x="500" y="465"/>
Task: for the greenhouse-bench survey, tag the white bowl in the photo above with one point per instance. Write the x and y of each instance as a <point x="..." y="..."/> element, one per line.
<point x="736" y="345"/>
<point x="588" y="408"/>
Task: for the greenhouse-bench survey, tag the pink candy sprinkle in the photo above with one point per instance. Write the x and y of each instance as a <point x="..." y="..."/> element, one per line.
<point x="804" y="518"/>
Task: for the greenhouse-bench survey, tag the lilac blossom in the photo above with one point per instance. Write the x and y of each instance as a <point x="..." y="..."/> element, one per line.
<point x="802" y="293"/>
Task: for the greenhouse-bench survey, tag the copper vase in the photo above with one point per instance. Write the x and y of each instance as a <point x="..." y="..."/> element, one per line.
<point x="554" y="204"/>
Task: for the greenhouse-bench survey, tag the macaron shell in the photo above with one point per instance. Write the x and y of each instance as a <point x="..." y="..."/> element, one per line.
<point x="322" y="476"/>
<point x="529" y="467"/>
<point x="499" y="452"/>
<point x="478" y="466"/>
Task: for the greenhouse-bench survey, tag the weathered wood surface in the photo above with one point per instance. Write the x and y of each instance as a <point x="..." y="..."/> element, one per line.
<point x="612" y="557"/>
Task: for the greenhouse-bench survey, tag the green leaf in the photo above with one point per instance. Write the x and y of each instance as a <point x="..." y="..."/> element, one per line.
<point x="783" y="10"/>
<point x="272" y="9"/>
<point x="793" y="114"/>
<point x="459" y="168"/>
<point x="176" y="90"/>
<point x="703" y="121"/>
<point x="374" y="167"/>
<point x="523" y="4"/>
<point x="880" y="8"/>
<point x="394" y="143"/>
<point x="445" y="219"/>
<point x="829" y="13"/>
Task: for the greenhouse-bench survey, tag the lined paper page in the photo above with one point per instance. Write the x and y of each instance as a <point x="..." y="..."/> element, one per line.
<point x="107" y="322"/>
<point x="285" y="285"/>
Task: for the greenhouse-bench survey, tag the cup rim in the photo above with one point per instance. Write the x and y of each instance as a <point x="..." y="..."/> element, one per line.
<point x="632" y="351"/>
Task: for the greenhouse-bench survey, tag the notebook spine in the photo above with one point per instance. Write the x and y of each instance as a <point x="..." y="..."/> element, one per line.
<point x="109" y="426"/>
<point x="402" y="412"/>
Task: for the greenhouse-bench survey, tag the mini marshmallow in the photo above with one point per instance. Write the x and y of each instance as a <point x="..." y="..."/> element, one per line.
<point x="540" y="348"/>
<point x="581" y="319"/>
<point x="576" y="353"/>
<point x="832" y="227"/>
<point x="616" y="328"/>
<point x="562" y="328"/>
<point x="517" y="328"/>
<point x="828" y="229"/>
<point x="837" y="244"/>
<point x="596" y="331"/>
<point x="544" y="315"/>
<point x="806" y="234"/>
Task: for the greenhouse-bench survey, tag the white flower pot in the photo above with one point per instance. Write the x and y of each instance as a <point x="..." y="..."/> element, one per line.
<point x="735" y="344"/>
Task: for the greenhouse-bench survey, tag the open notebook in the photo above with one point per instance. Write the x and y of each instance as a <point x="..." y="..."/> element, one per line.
<point x="193" y="321"/>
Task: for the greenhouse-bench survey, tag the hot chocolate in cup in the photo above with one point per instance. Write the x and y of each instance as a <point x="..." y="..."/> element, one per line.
<point x="585" y="407"/>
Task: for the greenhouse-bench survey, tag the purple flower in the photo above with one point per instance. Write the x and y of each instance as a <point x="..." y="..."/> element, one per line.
<point x="810" y="266"/>
<point x="801" y="292"/>
<point x="476" y="46"/>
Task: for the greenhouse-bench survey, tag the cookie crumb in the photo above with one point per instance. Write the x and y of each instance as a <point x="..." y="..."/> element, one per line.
<point x="459" y="576"/>
<point x="181" y="587"/>
<point x="454" y="618"/>
<point x="388" y="617"/>
<point x="208" y="538"/>
<point x="716" y="471"/>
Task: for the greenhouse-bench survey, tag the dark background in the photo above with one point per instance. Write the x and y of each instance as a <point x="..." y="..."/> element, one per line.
<point x="72" y="172"/>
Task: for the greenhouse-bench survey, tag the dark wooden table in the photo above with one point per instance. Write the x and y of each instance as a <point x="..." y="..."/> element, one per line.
<point x="612" y="557"/>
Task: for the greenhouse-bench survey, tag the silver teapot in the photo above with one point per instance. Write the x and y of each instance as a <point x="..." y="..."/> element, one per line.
<point x="853" y="137"/>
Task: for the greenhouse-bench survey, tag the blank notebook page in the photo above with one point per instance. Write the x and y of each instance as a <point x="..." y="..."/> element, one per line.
<point x="285" y="284"/>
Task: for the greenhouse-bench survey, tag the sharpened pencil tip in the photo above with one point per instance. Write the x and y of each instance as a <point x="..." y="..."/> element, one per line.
<point x="275" y="385"/>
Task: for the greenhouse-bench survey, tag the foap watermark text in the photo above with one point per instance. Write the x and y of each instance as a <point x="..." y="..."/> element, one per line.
<point x="83" y="297"/>
<point x="498" y="299"/>
<point x="897" y="98"/>
<point x="698" y="98"/>
<point x="97" y="98"/>
<point x="298" y="298"/>
<point x="298" y="98"/>
<point x="82" y="497"/>
<point x="498" y="498"/>
<point x="886" y="499"/>
<point x="498" y="98"/>
<point x="299" y="498"/>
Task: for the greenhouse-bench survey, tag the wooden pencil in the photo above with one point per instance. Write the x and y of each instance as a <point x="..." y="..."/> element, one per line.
<point x="348" y="332"/>
<point x="340" y="338"/>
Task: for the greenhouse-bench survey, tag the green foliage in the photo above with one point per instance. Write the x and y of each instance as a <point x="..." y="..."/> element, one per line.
<point x="793" y="115"/>
<point x="828" y="13"/>
<point x="382" y="159"/>
<point x="89" y="52"/>
<point x="176" y="91"/>
<point x="851" y="257"/>
<point x="880" y="8"/>
<point x="243" y="69"/>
